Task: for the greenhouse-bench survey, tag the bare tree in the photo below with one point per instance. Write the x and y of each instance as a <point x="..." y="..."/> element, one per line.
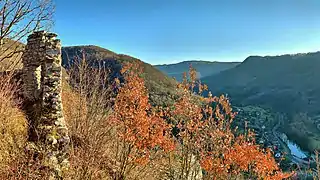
<point x="18" y="18"/>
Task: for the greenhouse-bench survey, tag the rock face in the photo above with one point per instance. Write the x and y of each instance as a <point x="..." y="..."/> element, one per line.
<point x="42" y="73"/>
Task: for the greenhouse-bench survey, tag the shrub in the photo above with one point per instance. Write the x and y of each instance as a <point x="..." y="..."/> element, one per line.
<point x="13" y="137"/>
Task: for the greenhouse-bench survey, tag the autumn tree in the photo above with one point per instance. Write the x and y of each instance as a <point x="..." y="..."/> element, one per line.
<point x="204" y="132"/>
<point x="141" y="131"/>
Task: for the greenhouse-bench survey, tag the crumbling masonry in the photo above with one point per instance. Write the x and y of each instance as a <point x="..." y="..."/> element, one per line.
<point x="42" y="73"/>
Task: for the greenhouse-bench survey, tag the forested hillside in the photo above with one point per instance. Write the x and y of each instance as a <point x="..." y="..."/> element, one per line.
<point x="287" y="84"/>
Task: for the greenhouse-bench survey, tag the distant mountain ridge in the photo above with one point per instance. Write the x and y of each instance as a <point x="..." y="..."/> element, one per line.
<point x="285" y="83"/>
<point x="295" y="72"/>
<point x="204" y="68"/>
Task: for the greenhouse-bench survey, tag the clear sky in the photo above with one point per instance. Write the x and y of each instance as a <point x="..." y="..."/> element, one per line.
<point x="170" y="31"/>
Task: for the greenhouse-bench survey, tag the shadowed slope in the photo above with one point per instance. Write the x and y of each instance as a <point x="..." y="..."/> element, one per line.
<point x="160" y="86"/>
<point x="287" y="83"/>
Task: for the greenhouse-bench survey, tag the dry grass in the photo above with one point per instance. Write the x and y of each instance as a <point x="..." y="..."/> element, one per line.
<point x="13" y="136"/>
<point x="12" y="124"/>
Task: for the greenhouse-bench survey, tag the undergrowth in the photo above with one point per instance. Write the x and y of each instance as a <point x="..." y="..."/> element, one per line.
<point x="116" y="133"/>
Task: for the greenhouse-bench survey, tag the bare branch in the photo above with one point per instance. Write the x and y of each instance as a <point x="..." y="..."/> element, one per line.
<point x="18" y="18"/>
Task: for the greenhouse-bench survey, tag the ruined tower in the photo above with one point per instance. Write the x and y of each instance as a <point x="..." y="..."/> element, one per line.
<point x="42" y="73"/>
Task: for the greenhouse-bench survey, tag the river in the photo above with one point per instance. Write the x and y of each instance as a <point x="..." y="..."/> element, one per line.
<point x="295" y="150"/>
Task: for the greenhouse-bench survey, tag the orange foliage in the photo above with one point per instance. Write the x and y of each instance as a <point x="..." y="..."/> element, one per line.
<point x="205" y="130"/>
<point x="245" y="156"/>
<point x="137" y="123"/>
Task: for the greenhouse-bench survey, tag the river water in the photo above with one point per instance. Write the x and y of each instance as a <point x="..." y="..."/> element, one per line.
<point x="295" y="150"/>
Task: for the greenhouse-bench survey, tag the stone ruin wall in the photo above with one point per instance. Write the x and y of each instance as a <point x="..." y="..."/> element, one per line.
<point x="42" y="74"/>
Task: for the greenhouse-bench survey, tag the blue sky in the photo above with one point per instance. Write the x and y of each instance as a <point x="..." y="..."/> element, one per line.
<point x="170" y="31"/>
